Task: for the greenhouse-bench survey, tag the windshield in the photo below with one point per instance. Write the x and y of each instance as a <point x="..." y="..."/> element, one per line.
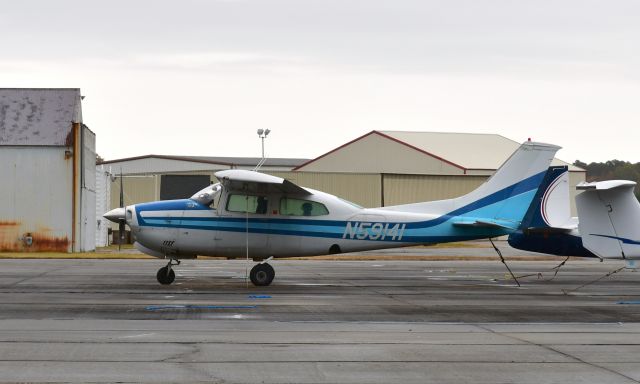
<point x="208" y="195"/>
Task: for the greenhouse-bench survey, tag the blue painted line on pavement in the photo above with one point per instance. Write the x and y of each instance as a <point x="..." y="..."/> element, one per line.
<point x="163" y="307"/>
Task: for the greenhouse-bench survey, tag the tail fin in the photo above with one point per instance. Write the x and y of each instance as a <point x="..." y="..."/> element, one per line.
<point x="550" y="207"/>
<point x="507" y="195"/>
<point x="609" y="215"/>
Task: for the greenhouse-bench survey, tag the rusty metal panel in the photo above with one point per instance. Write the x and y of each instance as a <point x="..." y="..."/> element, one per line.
<point x="38" y="117"/>
<point x="35" y="199"/>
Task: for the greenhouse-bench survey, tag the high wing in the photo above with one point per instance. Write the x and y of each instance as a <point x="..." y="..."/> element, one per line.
<point x="239" y="179"/>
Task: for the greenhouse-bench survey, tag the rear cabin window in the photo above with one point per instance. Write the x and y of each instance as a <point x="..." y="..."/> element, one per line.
<point x="247" y="204"/>
<point x="297" y="207"/>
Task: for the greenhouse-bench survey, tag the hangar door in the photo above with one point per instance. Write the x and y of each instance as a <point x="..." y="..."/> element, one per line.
<point x="182" y="186"/>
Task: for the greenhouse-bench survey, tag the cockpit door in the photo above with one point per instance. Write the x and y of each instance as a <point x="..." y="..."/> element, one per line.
<point x="244" y="225"/>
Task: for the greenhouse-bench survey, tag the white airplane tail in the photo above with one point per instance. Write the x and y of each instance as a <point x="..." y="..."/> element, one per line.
<point x="504" y="198"/>
<point x="609" y="219"/>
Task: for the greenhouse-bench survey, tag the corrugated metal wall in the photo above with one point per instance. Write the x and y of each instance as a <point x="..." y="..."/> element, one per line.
<point x="137" y="189"/>
<point x="361" y="188"/>
<point x="36" y="199"/>
<point x="405" y="189"/>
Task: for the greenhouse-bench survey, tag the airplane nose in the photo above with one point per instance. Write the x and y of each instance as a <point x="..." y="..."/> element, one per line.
<point x="115" y="215"/>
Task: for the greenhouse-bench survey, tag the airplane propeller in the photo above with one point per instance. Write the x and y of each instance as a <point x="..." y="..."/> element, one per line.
<point x="121" y="220"/>
<point x="118" y="215"/>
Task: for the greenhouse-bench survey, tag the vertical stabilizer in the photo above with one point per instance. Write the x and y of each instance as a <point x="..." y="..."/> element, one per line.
<point x="508" y="193"/>
<point x="550" y="206"/>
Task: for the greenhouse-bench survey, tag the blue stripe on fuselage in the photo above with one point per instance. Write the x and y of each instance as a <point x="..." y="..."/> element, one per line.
<point x="623" y="239"/>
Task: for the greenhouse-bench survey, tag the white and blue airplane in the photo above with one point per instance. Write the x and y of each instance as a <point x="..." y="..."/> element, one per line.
<point x="607" y="225"/>
<point x="254" y="215"/>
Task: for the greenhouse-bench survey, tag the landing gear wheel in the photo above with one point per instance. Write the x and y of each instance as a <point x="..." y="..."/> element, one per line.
<point x="165" y="275"/>
<point x="262" y="275"/>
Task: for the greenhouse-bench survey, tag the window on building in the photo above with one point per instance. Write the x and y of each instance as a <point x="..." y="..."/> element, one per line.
<point x="247" y="203"/>
<point x="181" y="186"/>
<point x="298" y="207"/>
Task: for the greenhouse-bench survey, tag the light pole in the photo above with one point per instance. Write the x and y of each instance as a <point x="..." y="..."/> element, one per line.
<point x="262" y="134"/>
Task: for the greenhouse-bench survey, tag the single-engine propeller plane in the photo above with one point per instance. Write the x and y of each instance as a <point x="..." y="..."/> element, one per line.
<point x="259" y="216"/>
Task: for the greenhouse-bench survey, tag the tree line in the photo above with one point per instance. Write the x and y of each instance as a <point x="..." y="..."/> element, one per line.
<point x="612" y="170"/>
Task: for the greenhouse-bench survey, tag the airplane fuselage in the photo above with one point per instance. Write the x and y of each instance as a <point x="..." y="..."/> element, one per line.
<point x="185" y="228"/>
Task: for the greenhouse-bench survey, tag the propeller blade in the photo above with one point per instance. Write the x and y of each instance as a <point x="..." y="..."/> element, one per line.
<point x="121" y="190"/>
<point x="121" y="229"/>
<point x="122" y="221"/>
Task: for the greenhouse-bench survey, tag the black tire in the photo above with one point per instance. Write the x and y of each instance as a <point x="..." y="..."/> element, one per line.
<point x="262" y="275"/>
<point x="165" y="278"/>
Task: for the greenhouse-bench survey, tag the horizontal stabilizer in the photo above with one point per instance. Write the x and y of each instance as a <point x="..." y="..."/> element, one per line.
<point x="549" y="229"/>
<point x="605" y="185"/>
<point x="486" y="223"/>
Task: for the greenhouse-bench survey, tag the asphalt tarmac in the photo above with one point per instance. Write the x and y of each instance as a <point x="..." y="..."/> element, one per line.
<point x="382" y="321"/>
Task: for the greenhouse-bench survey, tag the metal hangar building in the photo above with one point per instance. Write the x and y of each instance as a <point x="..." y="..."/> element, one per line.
<point x="47" y="168"/>
<point x="422" y="166"/>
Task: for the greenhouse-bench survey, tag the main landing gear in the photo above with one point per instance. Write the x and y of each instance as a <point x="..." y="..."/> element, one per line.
<point x="166" y="275"/>
<point x="262" y="274"/>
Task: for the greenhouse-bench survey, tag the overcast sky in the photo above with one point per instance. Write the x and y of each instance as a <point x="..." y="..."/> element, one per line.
<point x="199" y="77"/>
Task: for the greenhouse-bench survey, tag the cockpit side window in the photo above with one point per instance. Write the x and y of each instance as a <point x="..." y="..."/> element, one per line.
<point x="299" y="207"/>
<point x="247" y="204"/>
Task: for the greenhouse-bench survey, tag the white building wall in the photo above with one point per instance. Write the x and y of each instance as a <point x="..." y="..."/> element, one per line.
<point x="88" y="192"/>
<point x="103" y="196"/>
<point x="35" y="198"/>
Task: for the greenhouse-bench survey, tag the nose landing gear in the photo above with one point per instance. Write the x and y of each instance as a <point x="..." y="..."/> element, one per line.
<point x="262" y="274"/>
<point x="166" y="275"/>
